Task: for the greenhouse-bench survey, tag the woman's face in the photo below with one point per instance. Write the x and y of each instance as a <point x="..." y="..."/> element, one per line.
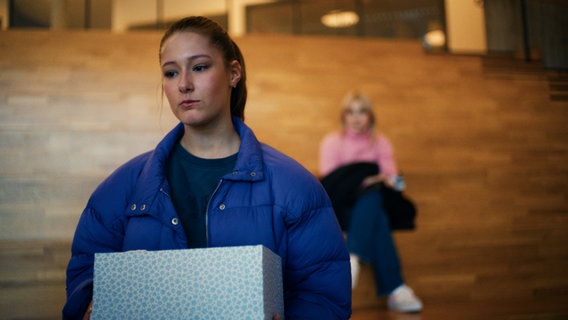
<point x="356" y="118"/>
<point x="195" y="79"/>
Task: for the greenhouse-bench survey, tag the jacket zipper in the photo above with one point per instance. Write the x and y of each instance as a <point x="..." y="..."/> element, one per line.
<point x="207" y="212"/>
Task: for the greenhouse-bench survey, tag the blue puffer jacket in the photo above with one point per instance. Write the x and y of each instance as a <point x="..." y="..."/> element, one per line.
<point x="268" y="199"/>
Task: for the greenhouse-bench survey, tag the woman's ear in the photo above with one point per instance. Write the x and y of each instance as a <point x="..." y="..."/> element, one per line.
<point x="235" y="73"/>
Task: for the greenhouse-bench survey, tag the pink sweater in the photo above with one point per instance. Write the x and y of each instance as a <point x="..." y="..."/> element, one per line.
<point x="338" y="149"/>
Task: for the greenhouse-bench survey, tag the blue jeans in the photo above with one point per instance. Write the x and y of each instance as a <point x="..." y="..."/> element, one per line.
<point x="369" y="237"/>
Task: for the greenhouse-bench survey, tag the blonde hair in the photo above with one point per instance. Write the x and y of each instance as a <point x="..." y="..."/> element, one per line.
<point x="357" y="96"/>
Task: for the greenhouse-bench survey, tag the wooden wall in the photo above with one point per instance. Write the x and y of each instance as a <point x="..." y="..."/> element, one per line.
<point x="483" y="148"/>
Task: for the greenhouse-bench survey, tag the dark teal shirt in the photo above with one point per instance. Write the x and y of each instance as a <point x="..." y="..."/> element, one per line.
<point x="192" y="182"/>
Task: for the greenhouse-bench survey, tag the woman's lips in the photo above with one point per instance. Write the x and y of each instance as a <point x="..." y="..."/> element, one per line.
<point x="187" y="104"/>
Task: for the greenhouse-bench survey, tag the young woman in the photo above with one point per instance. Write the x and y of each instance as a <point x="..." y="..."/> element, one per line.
<point x="366" y="222"/>
<point x="211" y="183"/>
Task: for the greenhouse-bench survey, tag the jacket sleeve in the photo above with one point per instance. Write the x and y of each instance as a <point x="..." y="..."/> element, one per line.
<point x="91" y="236"/>
<point x="99" y="230"/>
<point x="317" y="272"/>
<point x="385" y="156"/>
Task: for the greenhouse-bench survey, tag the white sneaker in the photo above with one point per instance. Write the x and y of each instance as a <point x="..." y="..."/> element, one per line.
<point x="403" y="299"/>
<point x="355" y="268"/>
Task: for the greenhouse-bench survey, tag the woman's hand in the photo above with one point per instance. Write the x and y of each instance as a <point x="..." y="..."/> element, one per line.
<point x="370" y="180"/>
<point x="276" y="316"/>
<point x="87" y="315"/>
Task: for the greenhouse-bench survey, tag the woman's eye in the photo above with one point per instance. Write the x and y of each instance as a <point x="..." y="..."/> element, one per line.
<point x="200" y="67"/>
<point x="169" y="74"/>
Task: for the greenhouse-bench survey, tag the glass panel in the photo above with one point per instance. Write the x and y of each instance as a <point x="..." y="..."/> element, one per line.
<point x="270" y="18"/>
<point x="377" y="18"/>
<point x="30" y="14"/>
<point x="402" y="19"/>
<point x="311" y="17"/>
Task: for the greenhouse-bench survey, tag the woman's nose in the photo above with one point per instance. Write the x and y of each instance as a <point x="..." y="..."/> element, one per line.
<point x="185" y="84"/>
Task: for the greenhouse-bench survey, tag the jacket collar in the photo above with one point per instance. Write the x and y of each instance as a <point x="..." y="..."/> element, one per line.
<point x="152" y="179"/>
<point x="249" y="165"/>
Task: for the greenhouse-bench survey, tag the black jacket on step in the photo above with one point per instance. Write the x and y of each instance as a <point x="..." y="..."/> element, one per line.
<point x="343" y="185"/>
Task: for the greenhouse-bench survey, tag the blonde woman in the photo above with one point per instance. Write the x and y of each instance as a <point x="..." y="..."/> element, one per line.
<point x="360" y="152"/>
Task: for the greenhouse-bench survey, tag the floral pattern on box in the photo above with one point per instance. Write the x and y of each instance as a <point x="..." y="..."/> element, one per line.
<point x="214" y="283"/>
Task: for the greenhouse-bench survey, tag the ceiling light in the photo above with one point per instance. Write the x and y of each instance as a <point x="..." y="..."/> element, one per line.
<point x="340" y="19"/>
<point x="435" y="38"/>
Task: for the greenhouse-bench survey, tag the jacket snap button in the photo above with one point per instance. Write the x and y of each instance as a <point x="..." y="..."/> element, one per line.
<point x="252" y="174"/>
<point x="143" y="207"/>
<point x="175" y="221"/>
<point x="133" y="207"/>
<point x="222" y="206"/>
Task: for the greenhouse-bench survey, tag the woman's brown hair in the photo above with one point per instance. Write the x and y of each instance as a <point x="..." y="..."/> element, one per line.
<point x="222" y="41"/>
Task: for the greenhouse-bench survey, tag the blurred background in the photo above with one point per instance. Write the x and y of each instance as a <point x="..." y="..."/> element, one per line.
<point x="473" y="94"/>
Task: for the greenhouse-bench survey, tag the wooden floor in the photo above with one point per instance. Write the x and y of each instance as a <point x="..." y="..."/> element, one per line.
<point x="482" y="141"/>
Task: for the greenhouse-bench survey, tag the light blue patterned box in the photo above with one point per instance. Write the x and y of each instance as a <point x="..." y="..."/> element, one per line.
<point x="214" y="283"/>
